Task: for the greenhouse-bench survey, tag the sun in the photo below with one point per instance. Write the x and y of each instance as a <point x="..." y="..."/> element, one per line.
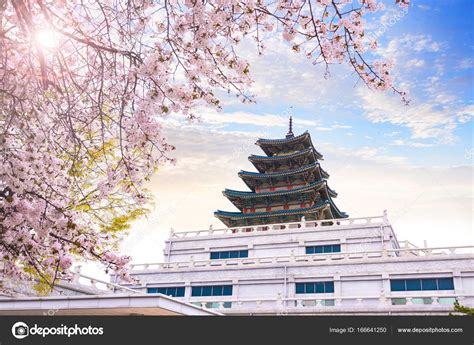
<point x="47" y="38"/>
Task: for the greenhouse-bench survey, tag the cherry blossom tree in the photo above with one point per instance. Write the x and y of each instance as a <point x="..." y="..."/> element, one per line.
<point x="84" y="84"/>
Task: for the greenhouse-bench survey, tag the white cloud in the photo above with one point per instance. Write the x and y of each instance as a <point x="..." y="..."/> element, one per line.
<point x="406" y="44"/>
<point x="427" y="119"/>
<point x="466" y="63"/>
<point x="341" y="126"/>
<point x="443" y="98"/>
<point x="282" y="76"/>
<point x="424" y="7"/>
<point x="415" y="63"/>
<point x="400" y="142"/>
<point x="368" y="154"/>
<point x="391" y="134"/>
<point x="212" y="117"/>
<point x="466" y="113"/>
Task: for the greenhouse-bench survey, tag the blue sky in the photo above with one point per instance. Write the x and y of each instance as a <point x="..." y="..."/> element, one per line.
<point x="414" y="161"/>
<point x="432" y="48"/>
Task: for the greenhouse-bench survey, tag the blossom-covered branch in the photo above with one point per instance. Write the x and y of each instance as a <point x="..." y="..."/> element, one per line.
<point x="83" y="85"/>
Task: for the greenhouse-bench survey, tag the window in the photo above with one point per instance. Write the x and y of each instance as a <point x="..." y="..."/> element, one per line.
<point x="232" y="254"/>
<point x="397" y="285"/>
<point x="168" y="291"/>
<point x="214" y="290"/>
<point x="329" y="248"/>
<point x="316" y="287"/>
<point x="414" y="285"/>
<point x="421" y="284"/>
<point x="445" y="284"/>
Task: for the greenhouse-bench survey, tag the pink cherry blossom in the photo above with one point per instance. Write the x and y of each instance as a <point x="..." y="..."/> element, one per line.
<point x="65" y="262"/>
<point x="81" y="111"/>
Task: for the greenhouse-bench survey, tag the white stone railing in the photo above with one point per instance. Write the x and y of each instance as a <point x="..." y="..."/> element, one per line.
<point x="97" y="285"/>
<point x="309" y="258"/>
<point x="327" y="223"/>
<point x="429" y="301"/>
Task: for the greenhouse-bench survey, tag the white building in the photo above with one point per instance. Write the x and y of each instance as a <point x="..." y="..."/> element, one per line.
<point x="278" y="277"/>
<point x="291" y="251"/>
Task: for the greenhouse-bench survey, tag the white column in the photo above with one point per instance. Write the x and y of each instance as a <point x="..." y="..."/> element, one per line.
<point x="457" y="280"/>
<point x="344" y="247"/>
<point x="235" y="289"/>
<point x="385" y="283"/>
<point x="337" y="285"/>
<point x="187" y="289"/>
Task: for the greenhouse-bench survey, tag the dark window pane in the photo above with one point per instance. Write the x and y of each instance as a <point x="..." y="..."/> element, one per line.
<point x="327" y="249"/>
<point x="217" y="290"/>
<point x="429" y="284"/>
<point x="319" y="287"/>
<point x="329" y="287"/>
<point x="207" y="290"/>
<point x="336" y="248"/>
<point x="180" y="292"/>
<point x="413" y="284"/>
<point x="234" y="254"/>
<point x="318" y="249"/>
<point x="227" y="291"/>
<point x="445" y="284"/>
<point x="309" y="250"/>
<point x="214" y="255"/>
<point x="244" y="253"/>
<point x="162" y="290"/>
<point x="309" y="287"/>
<point x="299" y="287"/>
<point x="196" y="291"/>
<point x="397" y="285"/>
<point x="224" y="255"/>
<point x="152" y="290"/>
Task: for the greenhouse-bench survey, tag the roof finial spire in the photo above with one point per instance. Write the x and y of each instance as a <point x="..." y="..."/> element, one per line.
<point x="290" y="131"/>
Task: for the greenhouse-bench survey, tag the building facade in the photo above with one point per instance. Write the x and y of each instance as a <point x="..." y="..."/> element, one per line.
<point x="290" y="250"/>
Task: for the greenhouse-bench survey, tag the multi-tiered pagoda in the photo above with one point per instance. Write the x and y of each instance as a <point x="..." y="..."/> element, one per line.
<point x="290" y="184"/>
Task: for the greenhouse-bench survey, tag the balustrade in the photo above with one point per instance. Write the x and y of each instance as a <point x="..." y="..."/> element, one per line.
<point x="389" y="254"/>
<point x="283" y="226"/>
<point x="334" y="303"/>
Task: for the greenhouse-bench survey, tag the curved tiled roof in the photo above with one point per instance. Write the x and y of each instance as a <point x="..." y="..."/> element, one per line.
<point x="257" y="175"/>
<point x="283" y="141"/>
<point x="332" y="192"/>
<point x="249" y="195"/>
<point x="256" y="158"/>
<point x="240" y="215"/>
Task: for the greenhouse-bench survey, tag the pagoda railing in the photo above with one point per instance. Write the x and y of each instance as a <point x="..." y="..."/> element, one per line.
<point x="399" y="253"/>
<point x="370" y="303"/>
<point x="326" y="223"/>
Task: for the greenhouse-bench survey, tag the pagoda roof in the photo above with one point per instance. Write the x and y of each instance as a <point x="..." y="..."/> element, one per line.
<point x="298" y="138"/>
<point x="239" y="215"/>
<point x="250" y="195"/>
<point x="299" y="142"/>
<point x="331" y="192"/>
<point x="291" y="169"/>
<point x="299" y="170"/>
<point x="257" y="158"/>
